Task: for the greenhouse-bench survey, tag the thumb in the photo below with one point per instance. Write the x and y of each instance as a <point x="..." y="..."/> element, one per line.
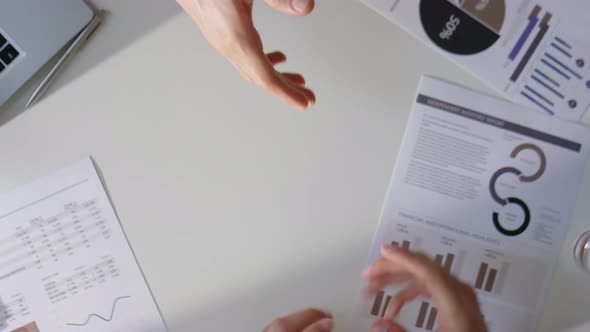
<point x="292" y="7"/>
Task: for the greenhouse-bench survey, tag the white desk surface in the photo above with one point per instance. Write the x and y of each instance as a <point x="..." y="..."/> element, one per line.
<point x="239" y="208"/>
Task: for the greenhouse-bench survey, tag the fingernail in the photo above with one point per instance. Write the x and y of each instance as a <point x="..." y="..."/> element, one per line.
<point x="300" y="5"/>
<point x="326" y="324"/>
<point x="328" y="313"/>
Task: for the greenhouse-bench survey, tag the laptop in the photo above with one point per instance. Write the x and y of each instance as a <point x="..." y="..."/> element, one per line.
<point x="31" y="33"/>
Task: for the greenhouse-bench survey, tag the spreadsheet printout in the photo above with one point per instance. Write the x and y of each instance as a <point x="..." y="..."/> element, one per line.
<point x="65" y="263"/>
<point x="486" y="189"/>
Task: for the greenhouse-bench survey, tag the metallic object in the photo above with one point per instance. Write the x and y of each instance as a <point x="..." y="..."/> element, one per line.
<point x="582" y="251"/>
<point x="65" y="58"/>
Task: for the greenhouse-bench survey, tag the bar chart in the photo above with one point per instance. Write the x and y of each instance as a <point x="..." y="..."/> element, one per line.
<point x="448" y="253"/>
<point x="547" y="69"/>
<point x="544" y="27"/>
<point x="490" y="278"/>
<point x="426" y="315"/>
<point x="504" y="277"/>
<point x="404" y="244"/>
<point x="404" y="237"/>
<point x="380" y="304"/>
<point x="445" y="250"/>
<point x="532" y="22"/>
<point x="426" y="318"/>
<point x="499" y="277"/>
<point x="447" y="263"/>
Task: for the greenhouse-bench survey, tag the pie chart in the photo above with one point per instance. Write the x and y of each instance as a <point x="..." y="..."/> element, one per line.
<point x="463" y="27"/>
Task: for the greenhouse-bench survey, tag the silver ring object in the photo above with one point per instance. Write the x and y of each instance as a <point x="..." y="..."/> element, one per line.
<point x="582" y="251"/>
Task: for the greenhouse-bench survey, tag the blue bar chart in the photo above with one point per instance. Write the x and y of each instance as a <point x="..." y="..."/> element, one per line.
<point x="533" y="19"/>
<point x="544" y="27"/>
<point x="546" y="69"/>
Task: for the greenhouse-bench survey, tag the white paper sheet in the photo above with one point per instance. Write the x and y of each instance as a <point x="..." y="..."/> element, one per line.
<point x="536" y="52"/>
<point x="65" y="264"/>
<point x="487" y="188"/>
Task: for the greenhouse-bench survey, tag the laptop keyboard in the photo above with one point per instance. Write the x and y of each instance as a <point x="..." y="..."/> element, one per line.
<point x="8" y="53"/>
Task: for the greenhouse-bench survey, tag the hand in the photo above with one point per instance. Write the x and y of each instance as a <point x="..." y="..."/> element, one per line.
<point x="229" y="28"/>
<point x="456" y="301"/>
<point x="309" y="320"/>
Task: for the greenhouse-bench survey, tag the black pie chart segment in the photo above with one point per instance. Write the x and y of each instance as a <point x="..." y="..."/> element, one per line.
<point x="522" y="227"/>
<point x="494" y="179"/>
<point x="469" y="36"/>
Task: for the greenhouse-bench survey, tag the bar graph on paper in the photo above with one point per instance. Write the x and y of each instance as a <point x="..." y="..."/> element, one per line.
<point x="496" y="276"/>
<point x="425" y="319"/>
<point x="404" y="244"/>
<point x="547" y="70"/>
<point x="449" y="260"/>
<point x="488" y="277"/>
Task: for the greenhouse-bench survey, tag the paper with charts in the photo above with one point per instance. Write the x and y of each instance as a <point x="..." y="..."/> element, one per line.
<point x="537" y="52"/>
<point x="65" y="264"/>
<point x="486" y="188"/>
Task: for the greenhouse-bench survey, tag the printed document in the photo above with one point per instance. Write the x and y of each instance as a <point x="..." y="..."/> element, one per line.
<point x="65" y="264"/>
<point x="487" y="189"/>
<point x="536" y="52"/>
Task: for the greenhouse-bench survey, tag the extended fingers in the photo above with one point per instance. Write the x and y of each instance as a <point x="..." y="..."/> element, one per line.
<point x="287" y="91"/>
<point x="401" y="298"/>
<point x="276" y="58"/>
<point x="447" y="292"/>
<point x="310" y="95"/>
<point x="378" y="283"/>
<point x="265" y="76"/>
<point x="420" y="266"/>
<point x="295" y="78"/>
<point x="229" y="27"/>
<point x="383" y="267"/>
<point x="259" y="70"/>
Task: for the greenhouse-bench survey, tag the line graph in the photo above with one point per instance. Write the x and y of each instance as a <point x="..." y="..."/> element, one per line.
<point x="115" y="301"/>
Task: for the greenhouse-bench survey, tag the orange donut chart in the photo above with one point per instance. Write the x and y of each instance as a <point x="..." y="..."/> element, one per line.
<point x="542" y="158"/>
